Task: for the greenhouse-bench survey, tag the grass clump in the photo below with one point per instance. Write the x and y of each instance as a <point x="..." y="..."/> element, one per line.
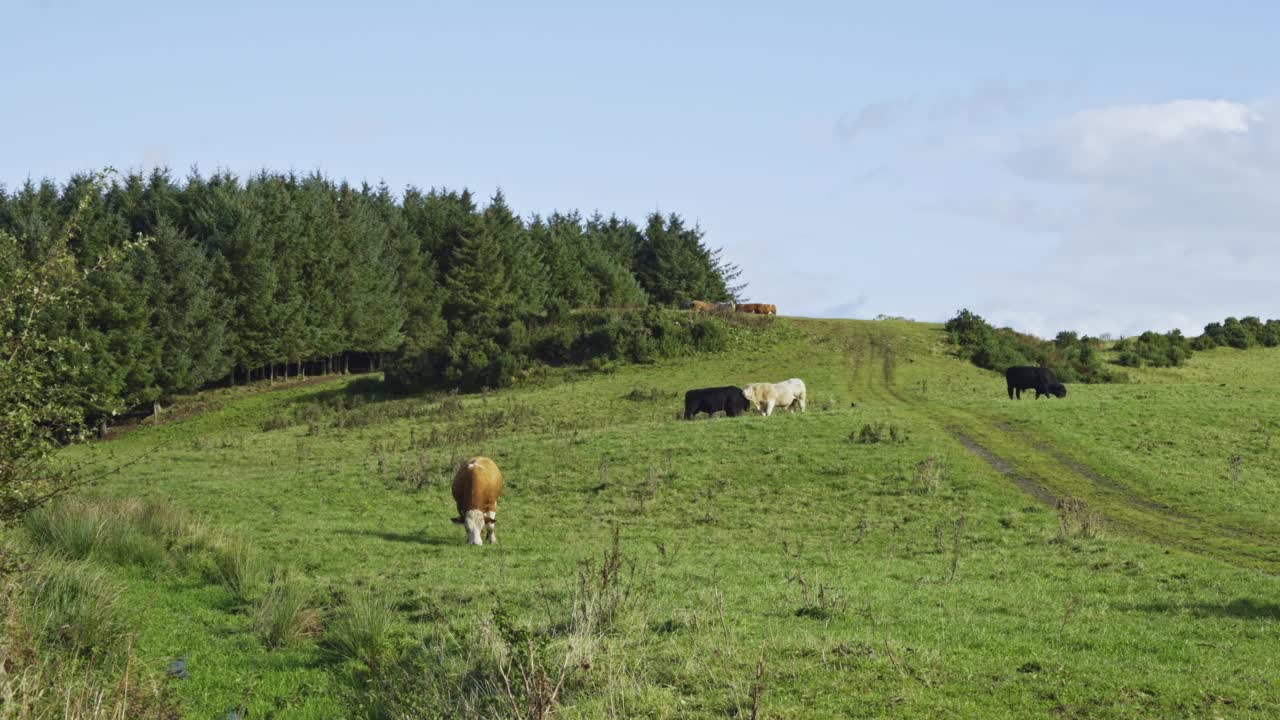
<point x="874" y="433"/>
<point x="930" y="473"/>
<point x="279" y="421"/>
<point x="819" y="603"/>
<point x="239" y="569"/>
<point x="1076" y="520"/>
<point x="285" y="614"/>
<point x="361" y="630"/>
<point x="651" y="394"/>
<point x="142" y="533"/>
<point x="70" y="529"/>
<point x="76" y="607"/>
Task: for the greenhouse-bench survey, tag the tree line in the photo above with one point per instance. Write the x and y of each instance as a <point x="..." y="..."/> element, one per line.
<point x="280" y="275"/>
<point x="1076" y="358"/>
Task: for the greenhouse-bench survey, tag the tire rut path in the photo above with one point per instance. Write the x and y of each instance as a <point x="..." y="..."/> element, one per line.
<point x="1142" y="517"/>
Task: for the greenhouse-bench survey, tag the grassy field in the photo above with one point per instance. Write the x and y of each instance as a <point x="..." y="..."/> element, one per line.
<point x="916" y="545"/>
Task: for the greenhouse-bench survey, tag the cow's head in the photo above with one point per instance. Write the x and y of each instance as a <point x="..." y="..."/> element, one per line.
<point x="1058" y="390"/>
<point x="752" y="395"/>
<point x="473" y="522"/>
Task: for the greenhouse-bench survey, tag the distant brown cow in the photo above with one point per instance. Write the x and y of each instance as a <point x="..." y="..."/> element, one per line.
<point x="700" y="306"/>
<point x="758" y="308"/>
<point x="476" y="488"/>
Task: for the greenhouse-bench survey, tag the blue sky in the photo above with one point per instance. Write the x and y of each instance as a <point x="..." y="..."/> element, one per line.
<point x="1086" y="166"/>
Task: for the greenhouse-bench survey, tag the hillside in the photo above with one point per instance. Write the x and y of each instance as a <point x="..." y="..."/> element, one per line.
<point x="935" y="572"/>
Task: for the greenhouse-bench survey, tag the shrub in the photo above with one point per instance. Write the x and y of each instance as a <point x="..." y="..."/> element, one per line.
<point x="1071" y="357"/>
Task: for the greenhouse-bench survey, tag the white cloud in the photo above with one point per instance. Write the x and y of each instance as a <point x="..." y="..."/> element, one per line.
<point x="1160" y="215"/>
<point x="1196" y="139"/>
<point x="879" y="115"/>
<point x="987" y="101"/>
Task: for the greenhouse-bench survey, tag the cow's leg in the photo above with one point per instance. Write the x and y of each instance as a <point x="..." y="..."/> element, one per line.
<point x="768" y="410"/>
<point x="492" y="526"/>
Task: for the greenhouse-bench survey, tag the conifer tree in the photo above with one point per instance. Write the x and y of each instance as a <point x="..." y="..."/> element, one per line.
<point x="189" y="317"/>
<point x="524" y="270"/>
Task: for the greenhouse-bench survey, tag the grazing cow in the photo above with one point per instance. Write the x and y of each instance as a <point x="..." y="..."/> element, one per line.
<point x="767" y="396"/>
<point x="758" y="308"/>
<point x="700" y="306"/>
<point x="726" y="306"/>
<point x="1025" y="377"/>
<point x="728" y="399"/>
<point x="476" y="488"/>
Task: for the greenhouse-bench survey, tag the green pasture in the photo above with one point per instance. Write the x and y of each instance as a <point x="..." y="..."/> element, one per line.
<point x="900" y="550"/>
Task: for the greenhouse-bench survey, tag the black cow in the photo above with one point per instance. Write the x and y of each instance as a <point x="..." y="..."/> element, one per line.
<point x="1025" y="377"/>
<point x="712" y="400"/>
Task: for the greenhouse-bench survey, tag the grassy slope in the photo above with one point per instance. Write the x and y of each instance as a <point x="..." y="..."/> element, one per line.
<point x="1172" y="612"/>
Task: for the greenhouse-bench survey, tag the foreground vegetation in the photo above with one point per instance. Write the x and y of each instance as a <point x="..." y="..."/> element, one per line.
<point x="915" y="545"/>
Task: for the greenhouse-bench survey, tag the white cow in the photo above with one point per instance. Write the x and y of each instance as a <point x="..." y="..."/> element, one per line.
<point x="766" y="396"/>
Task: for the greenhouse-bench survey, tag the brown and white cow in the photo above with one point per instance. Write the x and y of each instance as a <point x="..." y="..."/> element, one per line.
<point x="758" y="308"/>
<point x="476" y="488"/>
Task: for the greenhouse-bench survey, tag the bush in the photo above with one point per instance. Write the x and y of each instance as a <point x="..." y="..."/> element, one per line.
<point x="1071" y="357"/>
<point x="1153" y="349"/>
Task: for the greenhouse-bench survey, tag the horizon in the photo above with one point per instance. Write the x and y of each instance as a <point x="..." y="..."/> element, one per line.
<point x="1049" y="169"/>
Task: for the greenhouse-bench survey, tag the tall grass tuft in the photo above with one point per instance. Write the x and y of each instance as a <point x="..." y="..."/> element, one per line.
<point x="361" y="631"/>
<point x="67" y="528"/>
<point x="74" y="606"/>
<point x="144" y="533"/>
<point x="239" y="569"/>
<point x="930" y="473"/>
<point x="65" y="652"/>
<point x="285" y="615"/>
<point x="1077" y="520"/>
<point x="125" y="544"/>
